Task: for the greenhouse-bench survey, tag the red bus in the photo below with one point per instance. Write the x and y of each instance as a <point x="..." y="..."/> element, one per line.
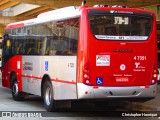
<point x="82" y="52"/>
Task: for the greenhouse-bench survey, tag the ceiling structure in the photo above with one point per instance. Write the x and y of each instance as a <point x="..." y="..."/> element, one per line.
<point x="62" y="3"/>
<point x="4" y="4"/>
<point x="15" y="10"/>
<point x="46" y="5"/>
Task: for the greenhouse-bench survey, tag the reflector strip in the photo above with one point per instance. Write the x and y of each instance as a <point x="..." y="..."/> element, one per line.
<point x="14" y="26"/>
<point x="54" y="80"/>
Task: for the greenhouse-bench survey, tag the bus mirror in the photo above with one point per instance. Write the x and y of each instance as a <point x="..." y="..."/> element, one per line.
<point x="8" y="43"/>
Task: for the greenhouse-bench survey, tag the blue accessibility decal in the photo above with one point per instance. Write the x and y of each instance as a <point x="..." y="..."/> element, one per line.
<point x="46" y="65"/>
<point x="99" y="80"/>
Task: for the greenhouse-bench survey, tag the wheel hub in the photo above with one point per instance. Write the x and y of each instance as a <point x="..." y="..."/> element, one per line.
<point x="48" y="96"/>
<point x="15" y="88"/>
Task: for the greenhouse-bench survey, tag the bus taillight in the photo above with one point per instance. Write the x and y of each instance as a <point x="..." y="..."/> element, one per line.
<point x="155" y="75"/>
<point x="86" y="75"/>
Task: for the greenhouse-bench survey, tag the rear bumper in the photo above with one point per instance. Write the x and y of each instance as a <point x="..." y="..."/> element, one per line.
<point x="91" y="92"/>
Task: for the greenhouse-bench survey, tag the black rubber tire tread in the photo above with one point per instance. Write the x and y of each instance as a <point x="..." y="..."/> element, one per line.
<point x="19" y="96"/>
<point x="49" y="107"/>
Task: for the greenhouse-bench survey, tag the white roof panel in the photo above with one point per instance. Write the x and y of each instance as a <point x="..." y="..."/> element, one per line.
<point x="58" y="14"/>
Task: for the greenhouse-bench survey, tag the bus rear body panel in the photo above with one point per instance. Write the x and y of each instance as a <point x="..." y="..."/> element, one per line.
<point x="117" y="68"/>
<point x="120" y="55"/>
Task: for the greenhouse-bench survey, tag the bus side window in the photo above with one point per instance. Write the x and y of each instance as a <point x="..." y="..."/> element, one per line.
<point x="8" y="47"/>
<point x="46" y="46"/>
<point x="19" y="49"/>
<point x="31" y="49"/>
<point x="39" y="50"/>
<point x="52" y="48"/>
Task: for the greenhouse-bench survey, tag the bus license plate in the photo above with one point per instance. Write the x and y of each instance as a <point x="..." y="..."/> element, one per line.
<point x="122" y="79"/>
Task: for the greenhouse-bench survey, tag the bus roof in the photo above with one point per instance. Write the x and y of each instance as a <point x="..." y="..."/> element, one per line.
<point x="67" y="12"/>
<point x="59" y="14"/>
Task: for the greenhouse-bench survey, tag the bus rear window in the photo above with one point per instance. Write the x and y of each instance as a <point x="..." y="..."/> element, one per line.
<point x="121" y="27"/>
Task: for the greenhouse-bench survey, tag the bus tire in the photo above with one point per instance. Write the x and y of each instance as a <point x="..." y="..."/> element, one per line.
<point x="49" y="102"/>
<point x="17" y="95"/>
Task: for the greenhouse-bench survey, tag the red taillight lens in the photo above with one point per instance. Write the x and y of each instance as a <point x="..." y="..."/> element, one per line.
<point x="86" y="77"/>
<point x="155" y="76"/>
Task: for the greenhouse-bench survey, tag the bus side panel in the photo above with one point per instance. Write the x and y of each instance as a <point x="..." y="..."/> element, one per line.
<point x="60" y="69"/>
<point x="31" y="80"/>
<point x="14" y="64"/>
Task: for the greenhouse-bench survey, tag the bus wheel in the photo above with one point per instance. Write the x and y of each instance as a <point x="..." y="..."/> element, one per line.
<point x="49" y="103"/>
<point x="17" y="96"/>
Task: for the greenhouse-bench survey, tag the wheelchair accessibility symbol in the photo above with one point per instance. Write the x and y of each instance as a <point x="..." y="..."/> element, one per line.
<point x="99" y="80"/>
<point x="46" y="65"/>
